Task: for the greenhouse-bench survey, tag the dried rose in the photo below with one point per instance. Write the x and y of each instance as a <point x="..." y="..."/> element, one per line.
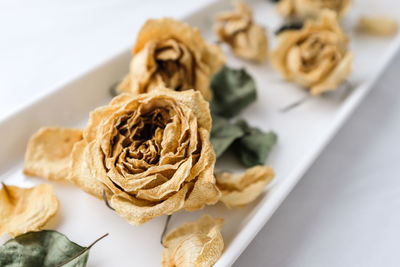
<point x="315" y="56"/>
<point x="172" y="54"/>
<point x="26" y="209"/>
<point x="246" y="38"/>
<point x="312" y="8"/>
<point x="150" y="153"/>
<point x="197" y="243"/>
<point x="240" y="189"/>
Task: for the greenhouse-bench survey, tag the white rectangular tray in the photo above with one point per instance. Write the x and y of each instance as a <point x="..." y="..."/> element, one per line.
<point x="303" y="133"/>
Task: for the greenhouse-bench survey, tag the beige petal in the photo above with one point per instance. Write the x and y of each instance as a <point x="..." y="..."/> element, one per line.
<point x="80" y="174"/>
<point x="312" y="8"/>
<point x="48" y="153"/>
<point x="197" y="243"/>
<point x="378" y="25"/>
<point x="241" y="189"/>
<point x="26" y="209"/>
<point x="139" y="214"/>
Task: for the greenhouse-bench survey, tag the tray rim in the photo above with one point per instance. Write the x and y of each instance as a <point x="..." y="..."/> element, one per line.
<point x="267" y="208"/>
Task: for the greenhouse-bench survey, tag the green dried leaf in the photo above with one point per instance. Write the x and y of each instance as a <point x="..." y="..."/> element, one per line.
<point x="233" y="90"/>
<point x="223" y="134"/>
<point x="254" y="147"/>
<point x="44" y="248"/>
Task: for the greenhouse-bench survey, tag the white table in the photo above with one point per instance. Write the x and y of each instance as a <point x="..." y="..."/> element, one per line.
<point x="344" y="212"/>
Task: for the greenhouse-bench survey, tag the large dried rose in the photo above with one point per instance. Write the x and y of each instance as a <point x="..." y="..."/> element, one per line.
<point x="316" y="56"/>
<point x="246" y="38"/>
<point x="172" y="54"/>
<point x="150" y="154"/>
<point x="312" y="8"/>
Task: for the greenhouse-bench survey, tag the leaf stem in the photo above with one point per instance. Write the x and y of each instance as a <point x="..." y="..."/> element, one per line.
<point x="295" y="104"/>
<point x="82" y="251"/>
<point x="6" y="189"/>
<point x="106" y="201"/>
<point x="8" y="193"/>
<point x="165" y="229"/>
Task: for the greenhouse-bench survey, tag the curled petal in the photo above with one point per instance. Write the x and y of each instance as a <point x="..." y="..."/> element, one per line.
<point x="312" y="8"/>
<point x="241" y="189"/>
<point x="197" y="243"/>
<point x="26" y="209"/>
<point x="378" y="25"/>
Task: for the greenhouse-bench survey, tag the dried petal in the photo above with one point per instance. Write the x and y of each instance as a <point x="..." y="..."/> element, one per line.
<point x="49" y="151"/>
<point x="312" y="8"/>
<point x="26" y="209"/>
<point x="315" y="56"/>
<point x="172" y="54"/>
<point x="241" y="189"/>
<point x="247" y="39"/>
<point x="197" y="243"/>
<point x="378" y="25"/>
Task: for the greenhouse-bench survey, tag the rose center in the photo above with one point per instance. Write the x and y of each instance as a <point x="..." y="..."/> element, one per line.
<point x="175" y="65"/>
<point x="314" y="50"/>
<point x="139" y="137"/>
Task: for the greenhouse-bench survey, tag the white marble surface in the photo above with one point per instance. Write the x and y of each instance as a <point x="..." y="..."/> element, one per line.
<point x="344" y="212"/>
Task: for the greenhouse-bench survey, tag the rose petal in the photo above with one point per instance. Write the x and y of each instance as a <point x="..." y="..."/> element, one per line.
<point x="312" y="8"/>
<point x="48" y="153"/>
<point x="26" y="209"/>
<point x="197" y="243"/>
<point x="242" y="189"/>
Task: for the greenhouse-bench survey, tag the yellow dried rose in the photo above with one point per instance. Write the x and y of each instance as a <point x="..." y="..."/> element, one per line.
<point x="26" y="209"/>
<point x="193" y="244"/>
<point x="247" y="39"/>
<point x="150" y="154"/>
<point x="172" y="54"/>
<point x="312" y="8"/>
<point x="240" y="189"/>
<point x="316" y="56"/>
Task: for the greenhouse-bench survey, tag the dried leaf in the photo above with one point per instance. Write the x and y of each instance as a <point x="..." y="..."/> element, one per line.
<point x="45" y="248"/>
<point x="234" y="90"/>
<point x="194" y="244"/>
<point x="241" y="189"/>
<point x="251" y="145"/>
<point x="254" y="147"/>
<point x="223" y="134"/>
<point x="291" y="24"/>
<point x="26" y="209"/>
